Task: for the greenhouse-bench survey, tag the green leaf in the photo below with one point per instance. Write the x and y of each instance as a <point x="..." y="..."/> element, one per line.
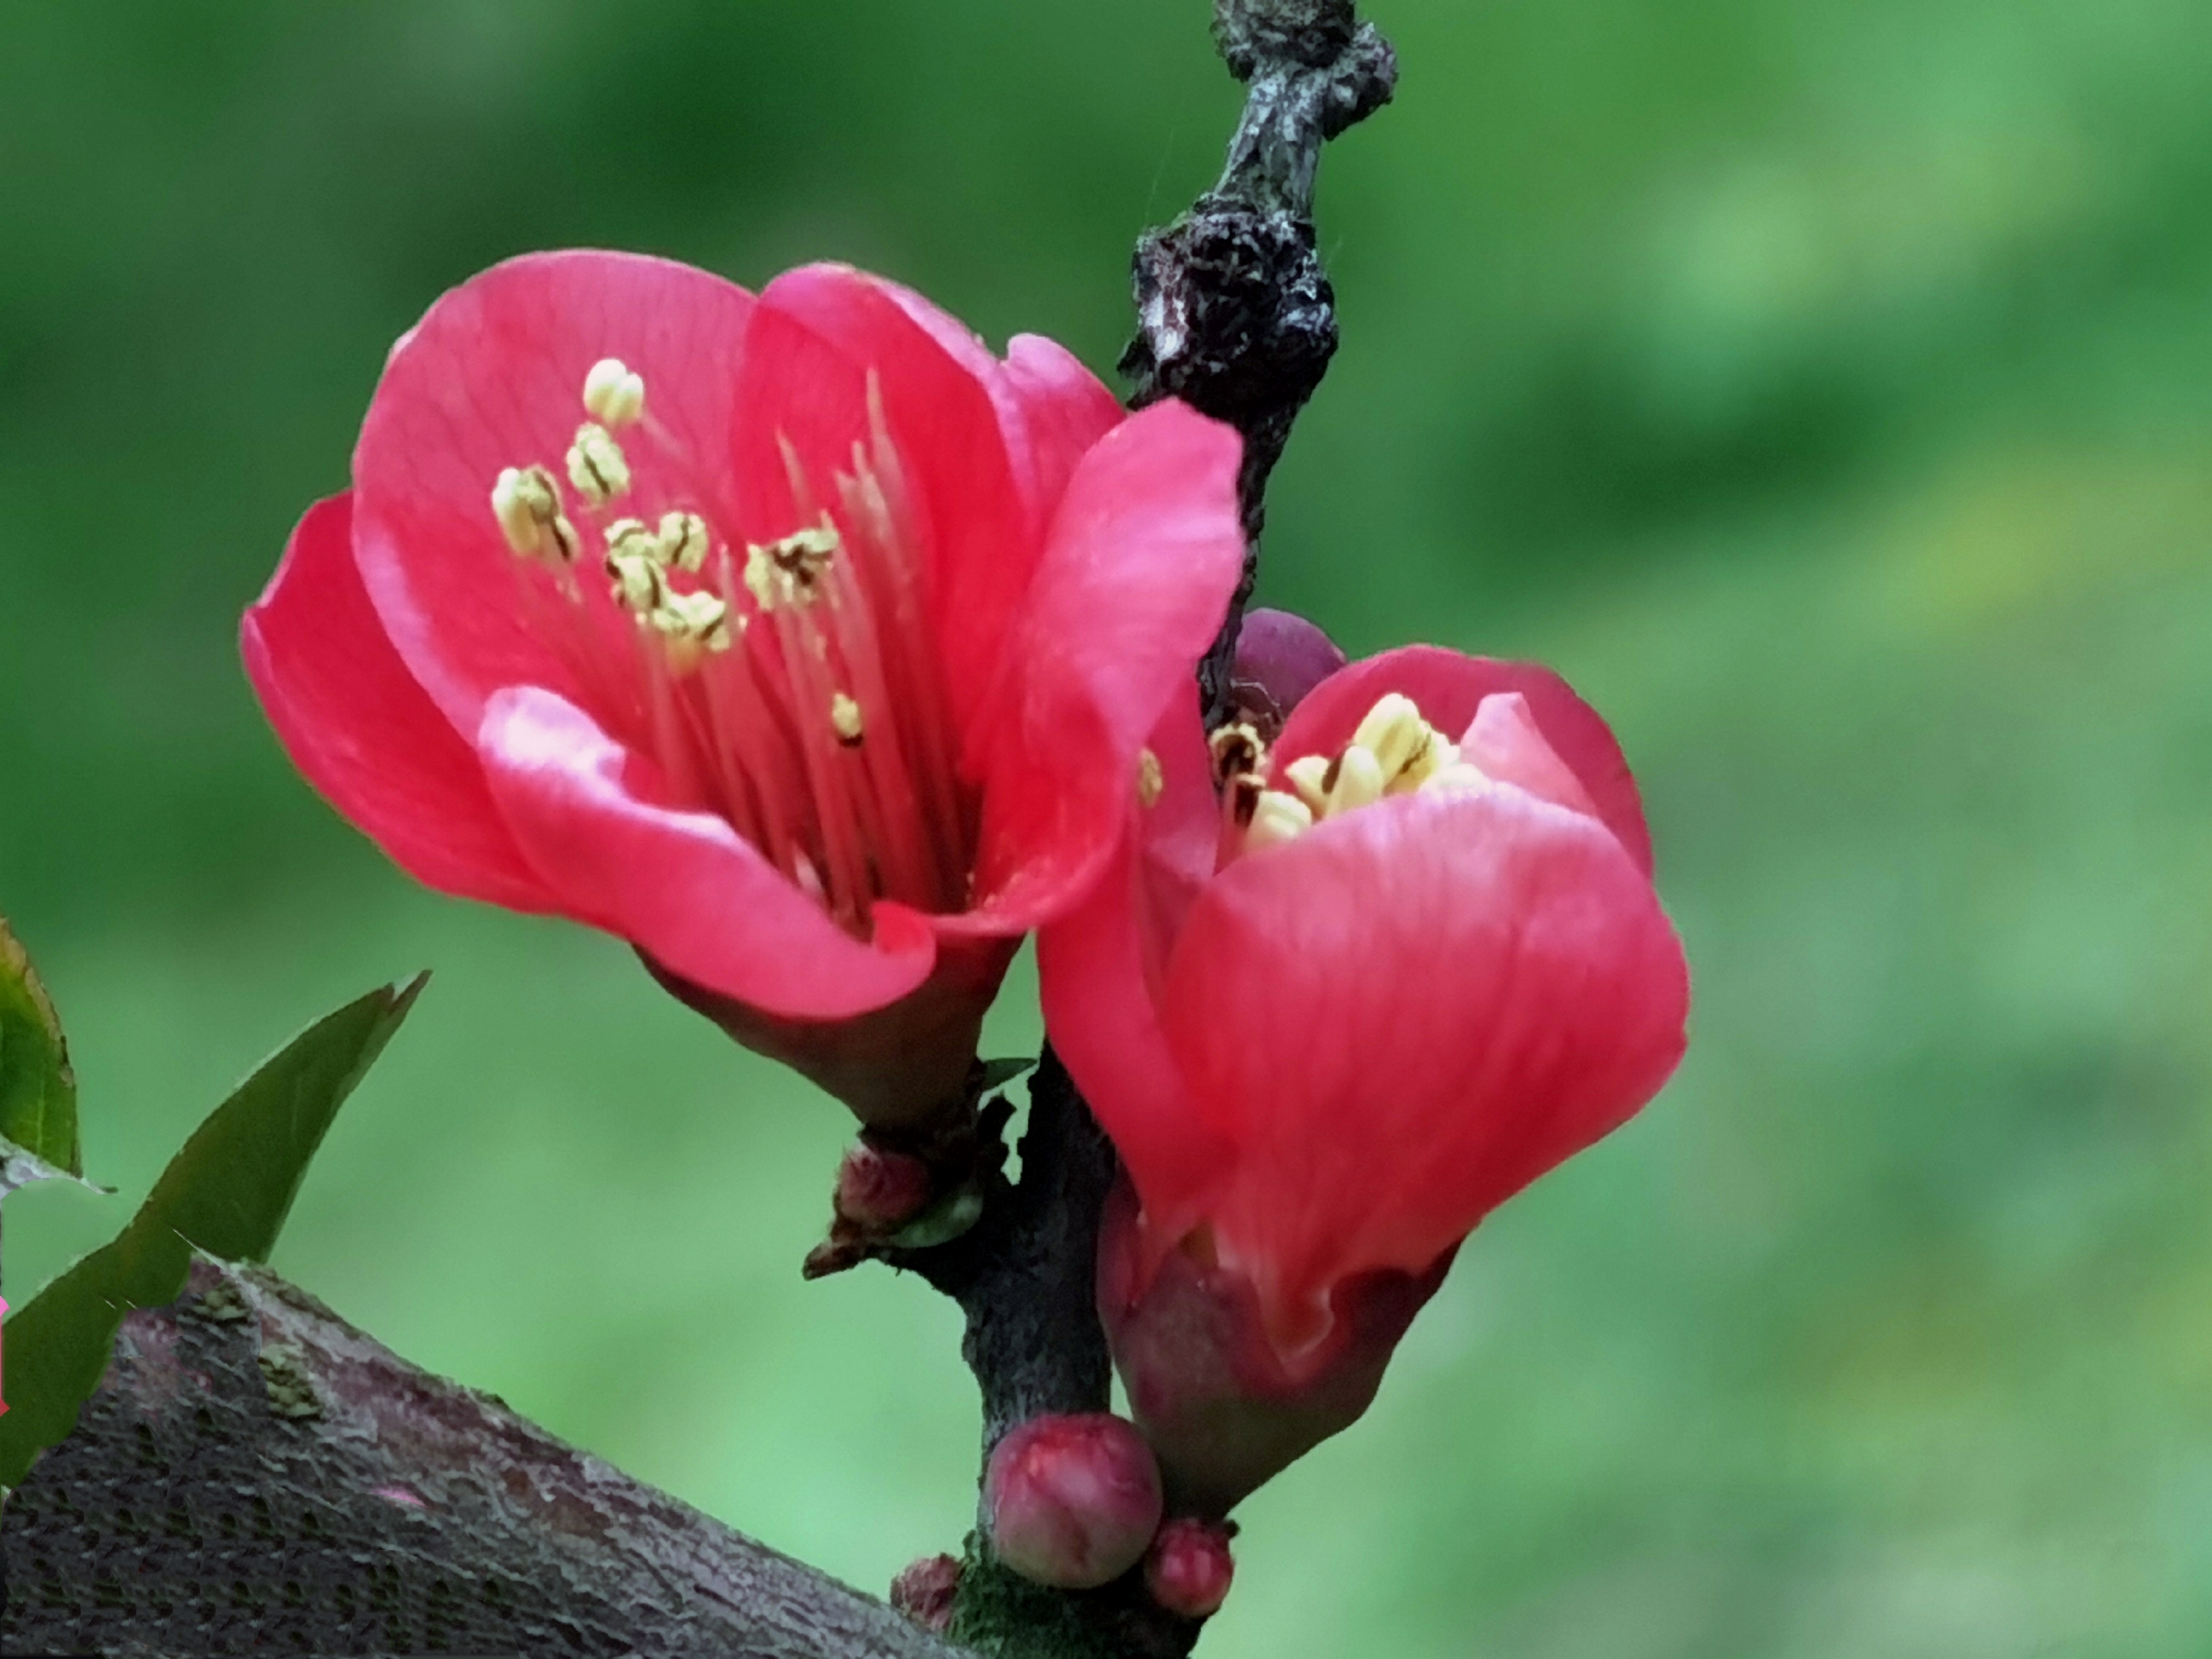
<point x="38" y="1090"/>
<point x="997" y="1073"/>
<point x="227" y="1193"/>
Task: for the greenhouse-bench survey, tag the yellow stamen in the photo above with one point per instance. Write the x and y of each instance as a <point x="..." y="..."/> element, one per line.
<point x="692" y="624"/>
<point x="788" y="571"/>
<point x="1278" y="817"/>
<point x="1355" y="780"/>
<point x="845" y="718"/>
<point x="1237" y="752"/>
<point x="1152" y="780"/>
<point x="683" y="541"/>
<point x="528" y="505"/>
<point x="638" y="586"/>
<point x="596" y="466"/>
<point x="631" y="537"/>
<point x="612" y="393"/>
<point x="1308" y="776"/>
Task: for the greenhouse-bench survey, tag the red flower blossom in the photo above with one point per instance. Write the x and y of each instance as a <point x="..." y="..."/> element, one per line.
<point x="797" y="639"/>
<point x="1332" y="1022"/>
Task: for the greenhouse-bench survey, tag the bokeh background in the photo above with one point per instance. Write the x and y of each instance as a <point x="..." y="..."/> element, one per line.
<point x="1826" y="385"/>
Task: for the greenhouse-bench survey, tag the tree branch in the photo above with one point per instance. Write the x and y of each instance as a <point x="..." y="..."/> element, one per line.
<point x="1234" y="314"/>
<point x="1236" y="318"/>
<point x="255" y="1474"/>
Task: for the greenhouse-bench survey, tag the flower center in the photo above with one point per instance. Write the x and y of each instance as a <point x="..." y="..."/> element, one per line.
<point x="792" y="688"/>
<point x="1394" y="751"/>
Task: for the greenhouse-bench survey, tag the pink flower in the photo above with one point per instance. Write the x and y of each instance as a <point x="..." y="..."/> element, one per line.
<point x="796" y="639"/>
<point x="1412" y="961"/>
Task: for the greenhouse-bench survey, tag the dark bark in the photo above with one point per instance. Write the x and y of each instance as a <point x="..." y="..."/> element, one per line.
<point x="1234" y="314"/>
<point x="254" y="1474"/>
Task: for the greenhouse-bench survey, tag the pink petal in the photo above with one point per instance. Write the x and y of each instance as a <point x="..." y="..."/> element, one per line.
<point x="1406" y="1015"/>
<point x="1064" y="408"/>
<point x="1449" y="688"/>
<point x="1050" y="407"/>
<point x="1143" y="554"/>
<point x="492" y="378"/>
<point x="820" y="335"/>
<point x="1502" y="742"/>
<point x="1103" y="1024"/>
<point x="681" y="886"/>
<point x="363" y="733"/>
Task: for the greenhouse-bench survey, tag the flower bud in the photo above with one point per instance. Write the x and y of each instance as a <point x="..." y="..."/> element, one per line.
<point x="1188" y="1567"/>
<point x="1222" y="1406"/>
<point x="924" y="1591"/>
<point x="1072" y="1501"/>
<point x="879" y="1190"/>
<point x="1281" y="656"/>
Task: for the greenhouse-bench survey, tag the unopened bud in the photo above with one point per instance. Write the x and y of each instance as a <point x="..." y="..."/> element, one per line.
<point x="1280" y="656"/>
<point x="1188" y="1567"/>
<point x="880" y="1191"/>
<point x="1071" y="1501"/>
<point x="924" y="1591"/>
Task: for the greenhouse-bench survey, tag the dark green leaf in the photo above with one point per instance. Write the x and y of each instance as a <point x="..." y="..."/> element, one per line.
<point x="38" y="1090"/>
<point x="997" y="1073"/>
<point x="227" y="1193"/>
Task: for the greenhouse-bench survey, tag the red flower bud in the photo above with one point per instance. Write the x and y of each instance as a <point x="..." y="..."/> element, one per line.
<point x="796" y="639"/>
<point x="1410" y="961"/>
<point x="1072" y="1501"/>
<point x="924" y="1590"/>
<point x="1281" y="656"/>
<point x="1188" y="1567"/>
<point x="878" y="1190"/>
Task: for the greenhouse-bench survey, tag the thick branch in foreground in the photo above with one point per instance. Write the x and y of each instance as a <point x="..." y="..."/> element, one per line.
<point x="254" y="1474"/>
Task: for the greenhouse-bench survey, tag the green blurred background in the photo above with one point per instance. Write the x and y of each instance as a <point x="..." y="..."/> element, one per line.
<point x="1825" y="385"/>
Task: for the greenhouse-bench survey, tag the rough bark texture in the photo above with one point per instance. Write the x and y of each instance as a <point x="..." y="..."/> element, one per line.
<point x="255" y="1475"/>
<point x="1234" y="314"/>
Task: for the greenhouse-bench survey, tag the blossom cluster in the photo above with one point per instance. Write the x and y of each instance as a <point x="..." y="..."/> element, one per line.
<point x="821" y="654"/>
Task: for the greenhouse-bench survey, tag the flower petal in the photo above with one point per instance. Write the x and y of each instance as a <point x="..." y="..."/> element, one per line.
<point x="821" y="334"/>
<point x="363" y="733"/>
<point x="1450" y="689"/>
<point x="1143" y="554"/>
<point x="1065" y="409"/>
<point x="492" y="377"/>
<point x="1406" y="1015"/>
<point x="683" y="886"/>
<point x="1100" y="970"/>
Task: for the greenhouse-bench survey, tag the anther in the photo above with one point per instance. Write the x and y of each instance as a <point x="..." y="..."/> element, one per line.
<point x="691" y="621"/>
<point x="1152" y="780"/>
<point x="612" y="393"/>
<point x="1358" y="781"/>
<point x="1276" y="818"/>
<point x="1307" y="777"/>
<point x="528" y="508"/>
<point x="638" y="586"/>
<point x="788" y="571"/>
<point x="845" y="718"/>
<point x="1394" y="732"/>
<point x="683" y="541"/>
<point x="1237" y="752"/>
<point x="630" y="537"/>
<point x="596" y="465"/>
